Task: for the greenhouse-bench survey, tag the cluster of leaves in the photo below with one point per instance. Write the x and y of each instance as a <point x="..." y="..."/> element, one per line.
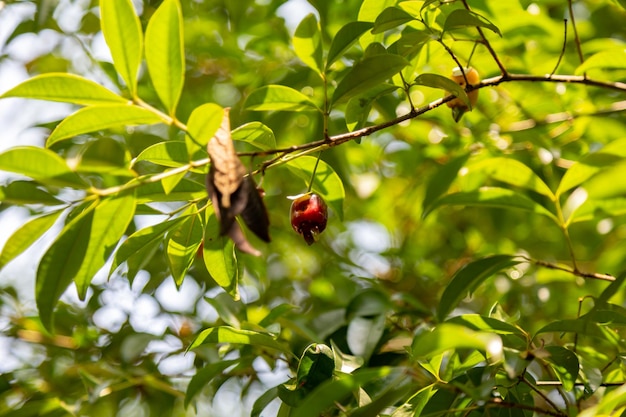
<point x="371" y="336"/>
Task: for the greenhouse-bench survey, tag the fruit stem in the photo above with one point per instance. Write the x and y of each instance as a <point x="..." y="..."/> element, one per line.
<point x="313" y="174"/>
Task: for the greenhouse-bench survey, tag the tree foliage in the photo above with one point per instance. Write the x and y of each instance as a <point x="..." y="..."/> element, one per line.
<point x="473" y="261"/>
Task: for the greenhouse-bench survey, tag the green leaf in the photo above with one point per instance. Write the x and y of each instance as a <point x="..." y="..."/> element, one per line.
<point x="390" y="18"/>
<point x="61" y="263"/>
<point x="612" y="59"/>
<point x="565" y="364"/>
<point x="26" y="235"/>
<point x="171" y="154"/>
<point x="110" y="220"/>
<point x="493" y="197"/>
<point x="443" y="83"/>
<point x="42" y="165"/>
<point x="359" y="107"/>
<point x="316" y="366"/>
<point x="327" y="183"/>
<point x="448" y="336"/>
<point x="441" y="181"/>
<point x="345" y="38"/>
<point x="368" y="12"/>
<point x="368" y="73"/>
<point x="26" y="192"/>
<point x="263" y="401"/>
<point x="80" y="251"/>
<point x="592" y="324"/>
<point x="468" y="278"/>
<point x="202" y="126"/>
<point x="584" y="169"/>
<point x="604" y="186"/>
<point x="227" y="334"/>
<point x="204" y="376"/>
<point x="256" y="134"/>
<point x="486" y="324"/>
<point x="219" y="256"/>
<point x="67" y="88"/>
<point x="122" y="33"/>
<point x="461" y="18"/>
<point x="410" y="43"/>
<point x="91" y="119"/>
<point x="143" y="242"/>
<point x="279" y="97"/>
<point x="165" y="53"/>
<point x="105" y="155"/>
<point x="336" y="390"/>
<point x="513" y="172"/>
<point x="307" y="42"/>
<point x="185" y="190"/>
<point x="183" y="244"/>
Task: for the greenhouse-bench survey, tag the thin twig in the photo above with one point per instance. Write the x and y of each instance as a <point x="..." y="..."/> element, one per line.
<point x="505" y="404"/>
<point x="311" y="147"/>
<point x="485" y="42"/>
<point x="562" y="49"/>
<point x="591" y="275"/>
<point x="576" y="38"/>
<point x="542" y="395"/>
<point x="456" y="60"/>
<point x="286" y="154"/>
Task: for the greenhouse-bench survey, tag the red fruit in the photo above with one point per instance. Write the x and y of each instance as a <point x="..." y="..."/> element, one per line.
<point x="308" y="216"/>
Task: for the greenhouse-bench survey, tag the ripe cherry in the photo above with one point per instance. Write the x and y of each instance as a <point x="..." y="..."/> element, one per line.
<point x="308" y="216"/>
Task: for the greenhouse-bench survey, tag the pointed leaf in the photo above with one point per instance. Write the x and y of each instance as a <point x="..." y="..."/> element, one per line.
<point x="110" y="220"/>
<point x="390" y="18"/>
<point x="171" y="154"/>
<point x="586" y="168"/>
<point x="327" y="183"/>
<point x="219" y="256"/>
<point x="466" y="279"/>
<point x="442" y="179"/>
<point x="183" y="244"/>
<point x="515" y="173"/>
<point x="448" y="336"/>
<point x="202" y="125"/>
<point x="460" y="18"/>
<point x="42" y="165"/>
<point x="226" y="334"/>
<point x="91" y="119"/>
<point x="26" y="192"/>
<point x="67" y="88"/>
<point x="443" y="83"/>
<point x="337" y="389"/>
<point x="307" y="42"/>
<point x="122" y="33"/>
<point x="204" y="376"/>
<point x="278" y="97"/>
<point x="612" y="59"/>
<point x="256" y="134"/>
<point x="61" y="263"/>
<point x="143" y="241"/>
<point x="368" y="73"/>
<point x="26" y="235"/>
<point x="186" y="190"/>
<point x="565" y="364"/>
<point x="345" y="38"/>
<point x="493" y="197"/>
<point x="165" y="53"/>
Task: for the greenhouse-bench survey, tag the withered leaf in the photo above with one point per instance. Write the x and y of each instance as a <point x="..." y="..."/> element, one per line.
<point x="227" y="171"/>
<point x="233" y="193"/>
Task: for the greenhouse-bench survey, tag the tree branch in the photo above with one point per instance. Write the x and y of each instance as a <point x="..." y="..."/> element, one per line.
<point x="485" y="42"/>
<point x="295" y="151"/>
